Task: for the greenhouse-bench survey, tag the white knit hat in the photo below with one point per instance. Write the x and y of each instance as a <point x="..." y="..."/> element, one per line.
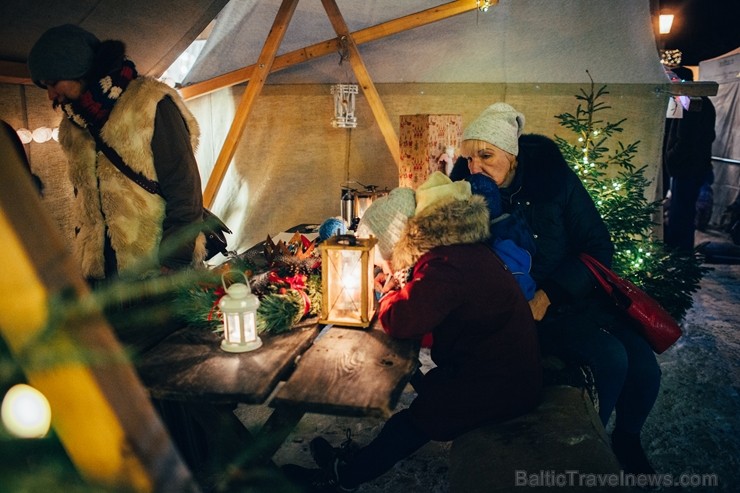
<point x="439" y="189"/>
<point x="386" y="218"/>
<point x="499" y="125"/>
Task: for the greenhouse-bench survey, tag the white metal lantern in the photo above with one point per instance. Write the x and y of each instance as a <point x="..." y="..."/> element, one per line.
<point x="239" y="309"/>
<point x="344" y="105"/>
<point x="347" y="281"/>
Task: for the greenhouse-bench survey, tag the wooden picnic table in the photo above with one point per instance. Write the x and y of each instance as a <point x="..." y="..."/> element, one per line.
<point x="312" y="368"/>
<point x="319" y="369"/>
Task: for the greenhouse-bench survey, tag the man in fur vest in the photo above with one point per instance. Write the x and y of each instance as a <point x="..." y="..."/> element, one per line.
<point x="121" y="229"/>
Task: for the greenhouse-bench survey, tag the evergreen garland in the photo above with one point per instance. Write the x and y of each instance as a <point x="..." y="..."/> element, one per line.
<point x="278" y="313"/>
<point x="289" y="291"/>
<point x="617" y="187"/>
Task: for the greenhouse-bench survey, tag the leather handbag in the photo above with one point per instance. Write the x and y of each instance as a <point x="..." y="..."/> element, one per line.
<point x="214" y="228"/>
<point x="654" y="323"/>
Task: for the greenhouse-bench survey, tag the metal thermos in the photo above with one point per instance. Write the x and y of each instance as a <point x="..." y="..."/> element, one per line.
<point x="348" y="206"/>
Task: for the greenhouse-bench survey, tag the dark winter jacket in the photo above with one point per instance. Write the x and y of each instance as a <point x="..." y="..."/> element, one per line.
<point x="688" y="142"/>
<point x="485" y="343"/>
<point x="550" y="197"/>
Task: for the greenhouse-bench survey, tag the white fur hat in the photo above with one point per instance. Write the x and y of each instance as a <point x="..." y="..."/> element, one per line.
<point x="386" y="218"/>
<point x="499" y="125"/>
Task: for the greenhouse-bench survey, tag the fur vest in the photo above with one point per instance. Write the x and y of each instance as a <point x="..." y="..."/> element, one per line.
<point x="105" y="199"/>
<point x="451" y="223"/>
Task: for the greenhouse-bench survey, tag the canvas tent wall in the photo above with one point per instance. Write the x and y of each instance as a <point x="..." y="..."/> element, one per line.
<point x="725" y="70"/>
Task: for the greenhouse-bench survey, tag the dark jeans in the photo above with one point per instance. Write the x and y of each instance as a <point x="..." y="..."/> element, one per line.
<point x="626" y="373"/>
<point x="679" y="232"/>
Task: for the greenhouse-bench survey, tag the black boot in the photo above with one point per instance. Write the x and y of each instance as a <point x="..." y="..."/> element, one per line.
<point x="310" y="480"/>
<point x="629" y="452"/>
<point x="330" y="459"/>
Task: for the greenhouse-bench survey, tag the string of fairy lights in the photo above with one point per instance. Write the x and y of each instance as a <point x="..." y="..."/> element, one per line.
<point x="636" y="256"/>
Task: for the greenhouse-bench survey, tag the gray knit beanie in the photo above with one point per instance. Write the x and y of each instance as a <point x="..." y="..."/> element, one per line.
<point x="499" y="125"/>
<point x="62" y="53"/>
<point x="386" y="219"/>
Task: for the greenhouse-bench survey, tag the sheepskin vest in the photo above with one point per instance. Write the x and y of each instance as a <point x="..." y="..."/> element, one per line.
<point x="449" y="223"/>
<point x="107" y="199"/>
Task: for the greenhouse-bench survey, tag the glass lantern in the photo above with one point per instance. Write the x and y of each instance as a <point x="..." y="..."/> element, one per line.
<point x="239" y="309"/>
<point x="347" y="264"/>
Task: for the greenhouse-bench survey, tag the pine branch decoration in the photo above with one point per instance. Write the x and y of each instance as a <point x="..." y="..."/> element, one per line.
<point x="278" y="313"/>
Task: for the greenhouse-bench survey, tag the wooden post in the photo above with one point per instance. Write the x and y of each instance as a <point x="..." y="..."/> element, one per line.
<point x="363" y="77"/>
<point x="100" y="411"/>
<point x="329" y="46"/>
<point x="260" y="73"/>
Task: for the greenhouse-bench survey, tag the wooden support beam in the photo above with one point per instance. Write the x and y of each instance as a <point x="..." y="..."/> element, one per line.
<point x="261" y="71"/>
<point x="101" y="412"/>
<point x="693" y="88"/>
<point x="14" y="73"/>
<point x="364" y="79"/>
<point x="329" y="46"/>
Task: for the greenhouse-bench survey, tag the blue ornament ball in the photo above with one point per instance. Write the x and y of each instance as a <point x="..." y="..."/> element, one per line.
<point x="332" y="226"/>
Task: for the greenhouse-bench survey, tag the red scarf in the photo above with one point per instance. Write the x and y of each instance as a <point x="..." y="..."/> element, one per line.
<point x="95" y="104"/>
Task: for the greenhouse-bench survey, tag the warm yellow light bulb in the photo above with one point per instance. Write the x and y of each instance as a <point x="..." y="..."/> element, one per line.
<point x="26" y="412"/>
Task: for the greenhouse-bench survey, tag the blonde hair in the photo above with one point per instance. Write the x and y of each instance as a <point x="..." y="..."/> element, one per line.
<point x="471" y="147"/>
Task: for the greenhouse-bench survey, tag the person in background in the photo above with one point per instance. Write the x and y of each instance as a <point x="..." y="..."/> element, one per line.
<point x="575" y="321"/>
<point x="118" y="223"/>
<point x="687" y="161"/>
<point x="485" y="344"/>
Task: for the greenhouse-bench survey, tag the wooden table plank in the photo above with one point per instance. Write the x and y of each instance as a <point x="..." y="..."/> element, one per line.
<point x="351" y="372"/>
<point x="189" y="365"/>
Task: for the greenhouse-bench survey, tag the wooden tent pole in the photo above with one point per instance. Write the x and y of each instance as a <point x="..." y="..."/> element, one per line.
<point x="101" y="412"/>
<point x="363" y="77"/>
<point x="329" y="46"/>
<point x="261" y="71"/>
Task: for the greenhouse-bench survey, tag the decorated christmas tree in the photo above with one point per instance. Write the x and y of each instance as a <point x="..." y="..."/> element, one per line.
<point x="617" y="185"/>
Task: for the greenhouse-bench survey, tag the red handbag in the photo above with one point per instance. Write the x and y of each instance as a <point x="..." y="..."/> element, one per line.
<point x="656" y="325"/>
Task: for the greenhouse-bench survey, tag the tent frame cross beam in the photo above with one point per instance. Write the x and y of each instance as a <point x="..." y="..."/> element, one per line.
<point x="264" y="63"/>
<point x="268" y="62"/>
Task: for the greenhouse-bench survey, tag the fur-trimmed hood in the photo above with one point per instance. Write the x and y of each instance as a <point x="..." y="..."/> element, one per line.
<point x="454" y="222"/>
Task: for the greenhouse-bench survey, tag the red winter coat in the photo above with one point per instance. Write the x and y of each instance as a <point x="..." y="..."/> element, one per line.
<point x="485" y="343"/>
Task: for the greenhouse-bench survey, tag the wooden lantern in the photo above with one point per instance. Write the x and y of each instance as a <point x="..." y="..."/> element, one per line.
<point x="347" y="266"/>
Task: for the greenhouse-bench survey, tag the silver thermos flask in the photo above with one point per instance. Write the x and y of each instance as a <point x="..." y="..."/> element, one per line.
<point x="348" y="206"/>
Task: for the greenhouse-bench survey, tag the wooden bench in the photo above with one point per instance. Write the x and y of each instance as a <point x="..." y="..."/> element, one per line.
<point x="538" y="451"/>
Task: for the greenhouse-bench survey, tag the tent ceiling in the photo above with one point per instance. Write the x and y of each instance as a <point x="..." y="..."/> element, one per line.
<point x="155" y="31"/>
<point x="515" y="40"/>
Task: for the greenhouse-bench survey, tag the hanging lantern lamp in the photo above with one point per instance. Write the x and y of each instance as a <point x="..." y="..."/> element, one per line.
<point x="344" y="105"/>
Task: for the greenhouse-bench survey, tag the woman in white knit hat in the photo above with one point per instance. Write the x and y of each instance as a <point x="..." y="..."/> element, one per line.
<point x="485" y="343"/>
<point x="575" y="320"/>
